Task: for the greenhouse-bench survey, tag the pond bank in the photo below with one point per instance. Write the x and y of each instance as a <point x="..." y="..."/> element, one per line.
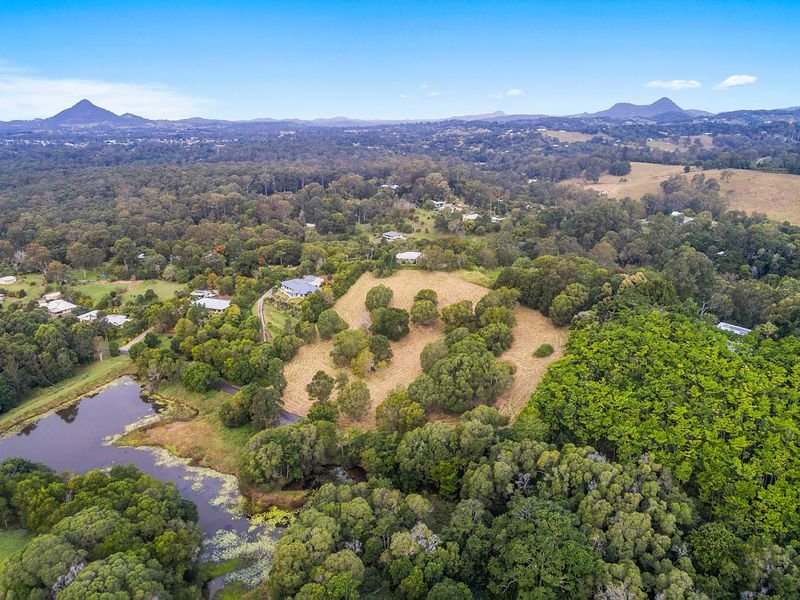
<point x="81" y="437"/>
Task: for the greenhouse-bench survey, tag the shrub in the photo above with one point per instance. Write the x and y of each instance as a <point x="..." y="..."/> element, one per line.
<point x="151" y="340"/>
<point x="200" y="377"/>
<point x="427" y="294"/>
<point x="353" y="400"/>
<point x="424" y="312"/>
<point x="543" y="350"/>
<point x="390" y="322"/>
<point x="330" y="323"/>
<point x="378" y="297"/>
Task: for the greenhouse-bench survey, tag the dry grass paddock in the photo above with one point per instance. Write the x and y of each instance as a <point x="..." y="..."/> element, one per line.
<point x="532" y="330"/>
<point x="775" y="194"/>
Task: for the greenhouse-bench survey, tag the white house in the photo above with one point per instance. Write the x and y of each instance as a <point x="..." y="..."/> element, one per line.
<point x="116" y="320"/>
<point x="471" y="217"/>
<point x="89" y="317"/>
<point x="734" y="329"/>
<point x="203" y="294"/>
<point x="8" y="280"/>
<point x="408" y="258"/>
<point x="59" y="308"/>
<point x="300" y="288"/>
<point x="215" y="305"/>
<point x="51" y="296"/>
<point x="393" y="236"/>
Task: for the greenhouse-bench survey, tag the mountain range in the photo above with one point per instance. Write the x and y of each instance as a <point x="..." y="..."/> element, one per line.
<point x="85" y="115"/>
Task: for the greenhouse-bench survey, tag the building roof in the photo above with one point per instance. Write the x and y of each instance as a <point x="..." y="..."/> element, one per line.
<point x="7" y="279"/>
<point x="52" y="296"/>
<point x="471" y="217"/>
<point x="408" y="255"/>
<point x="299" y="287"/>
<point x="212" y="303"/>
<point x="393" y="235"/>
<point x="731" y="328"/>
<point x="89" y="316"/>
<point x="58" y="306"/>
<point x="116" y="320"/>
<point x="203" y="293"/>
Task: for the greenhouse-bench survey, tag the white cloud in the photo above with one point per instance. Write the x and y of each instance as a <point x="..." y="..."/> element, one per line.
<point x="27" y="97"/>
<point x="513" y="92"/>
<point x="736" y="81"/>
<point x="674" y="84"/>
<point x="433" y="93"/>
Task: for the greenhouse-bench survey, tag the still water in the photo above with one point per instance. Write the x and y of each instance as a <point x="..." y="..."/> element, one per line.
<point x="79" y="438"/>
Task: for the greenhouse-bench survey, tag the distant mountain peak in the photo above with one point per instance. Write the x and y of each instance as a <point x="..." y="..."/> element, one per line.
<point x="85" y="113"/>
<point x="626" y="110"/>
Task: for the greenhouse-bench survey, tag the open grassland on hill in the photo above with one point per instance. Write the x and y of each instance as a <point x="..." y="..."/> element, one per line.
<point x="532" y="329"/>
<point x="775" y="194"/>
<point x="684" y="143"/>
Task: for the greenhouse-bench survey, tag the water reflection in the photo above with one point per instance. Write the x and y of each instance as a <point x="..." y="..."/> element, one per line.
<point x="77" y="439"/>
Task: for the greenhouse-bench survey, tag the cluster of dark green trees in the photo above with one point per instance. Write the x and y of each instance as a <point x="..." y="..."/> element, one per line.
<point x="119" y="534"/>
<point x="36" y="351"/>
<point x="481" y="510"/>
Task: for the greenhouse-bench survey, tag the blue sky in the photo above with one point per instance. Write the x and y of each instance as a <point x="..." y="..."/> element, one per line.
<point x="368" y="59"/>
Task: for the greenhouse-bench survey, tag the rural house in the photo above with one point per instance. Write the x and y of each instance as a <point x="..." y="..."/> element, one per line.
<point x="60" y="308"/>
<point x="300" y="288"/>
<point x="408" y="258"/>
<point x="214" y="305"/>
<point x="393" y="236"/>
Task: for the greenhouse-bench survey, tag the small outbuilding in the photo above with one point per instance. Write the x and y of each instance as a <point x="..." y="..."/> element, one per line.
<point x="8" y="280"/>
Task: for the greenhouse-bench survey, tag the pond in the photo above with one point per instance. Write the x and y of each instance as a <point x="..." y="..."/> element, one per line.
<point x="79" y="438"/>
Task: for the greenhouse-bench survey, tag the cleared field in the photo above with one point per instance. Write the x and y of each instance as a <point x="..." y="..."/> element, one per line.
<point x="532" y="330"/>
<point x="683" y="143"/>
<point x="33" y="284"/>
<point x="569" y="137"/>
<point x="127" y="289"/>
<point x="644" y="178"/>
<point x="775" y="194"/>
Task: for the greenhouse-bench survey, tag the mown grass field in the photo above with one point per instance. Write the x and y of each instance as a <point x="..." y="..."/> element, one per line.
<point x="775" y="194"/>
<point x="128" y="289"/>
<point x="85" y="380"/>
<point x="12" y="540"/>
<point x="33" y="284"/>
<point x="532" y="329"/>
<point x="683" y="144"/>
